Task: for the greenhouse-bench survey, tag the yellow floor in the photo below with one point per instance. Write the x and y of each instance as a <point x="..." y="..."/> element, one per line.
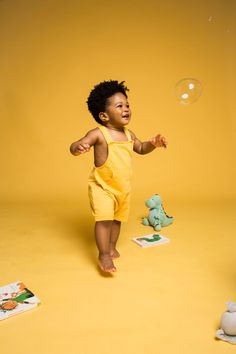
<point x="166" y="299"/>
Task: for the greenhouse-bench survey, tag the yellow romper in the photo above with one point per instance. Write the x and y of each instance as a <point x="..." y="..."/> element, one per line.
<point x="109" y="185"/>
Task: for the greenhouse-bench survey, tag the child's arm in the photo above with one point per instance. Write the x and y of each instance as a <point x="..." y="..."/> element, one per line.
<point x="148" y="146"/>
<point x="84" y="144"/>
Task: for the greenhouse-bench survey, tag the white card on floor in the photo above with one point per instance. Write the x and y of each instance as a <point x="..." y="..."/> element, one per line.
<point x="150" y="240"/>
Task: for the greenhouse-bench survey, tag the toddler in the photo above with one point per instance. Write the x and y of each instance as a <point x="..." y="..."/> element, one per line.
<point x="109" y="181"/>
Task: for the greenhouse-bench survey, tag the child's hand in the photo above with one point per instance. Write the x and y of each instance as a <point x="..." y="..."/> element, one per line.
<point x="159" y="141"/>
<point x="81" y="148"/>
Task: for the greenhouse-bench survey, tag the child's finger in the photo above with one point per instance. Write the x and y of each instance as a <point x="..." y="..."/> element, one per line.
<point x="159" y="141"/>
<point x="83" y="148"/>
<point x="164" y="142"/>
<point x="86" y="147"/>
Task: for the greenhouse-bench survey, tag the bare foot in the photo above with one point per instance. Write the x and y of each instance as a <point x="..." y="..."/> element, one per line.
<point x="114" y="254"/>
<point x="106" y="264"/>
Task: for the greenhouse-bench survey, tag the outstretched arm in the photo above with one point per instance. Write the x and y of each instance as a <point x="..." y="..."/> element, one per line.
<point x="145" y="147"/>
<point x="84" y="144"/>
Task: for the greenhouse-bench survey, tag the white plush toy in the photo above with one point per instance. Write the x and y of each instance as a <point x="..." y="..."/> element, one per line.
<point x="227" y="332"/>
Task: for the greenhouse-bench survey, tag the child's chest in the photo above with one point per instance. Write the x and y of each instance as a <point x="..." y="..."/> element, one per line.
<point x="117" y="136"/>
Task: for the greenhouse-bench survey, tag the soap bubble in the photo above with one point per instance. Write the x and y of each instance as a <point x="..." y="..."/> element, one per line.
<point x="188" y="90"/>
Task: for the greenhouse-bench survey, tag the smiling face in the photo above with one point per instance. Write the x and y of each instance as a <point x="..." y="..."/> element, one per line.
<point x="117" y="113"/>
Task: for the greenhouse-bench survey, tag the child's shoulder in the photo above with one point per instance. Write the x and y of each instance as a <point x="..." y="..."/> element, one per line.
<point x="95" y="134"/>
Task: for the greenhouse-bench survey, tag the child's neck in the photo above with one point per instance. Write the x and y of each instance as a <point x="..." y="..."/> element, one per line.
<point x="117" y="134"/>
<point x="115" y="129"/>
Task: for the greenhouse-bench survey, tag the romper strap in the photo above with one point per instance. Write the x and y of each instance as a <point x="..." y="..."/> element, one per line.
<point x="127" y="133"/>
<point x="105" y="133"/>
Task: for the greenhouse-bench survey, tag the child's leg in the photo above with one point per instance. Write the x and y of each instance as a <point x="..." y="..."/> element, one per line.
<point x="103" y="235"/>
<point x="115" y="231"/>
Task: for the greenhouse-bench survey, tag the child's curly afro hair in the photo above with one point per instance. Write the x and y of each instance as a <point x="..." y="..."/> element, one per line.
<point x="97" y="99"/>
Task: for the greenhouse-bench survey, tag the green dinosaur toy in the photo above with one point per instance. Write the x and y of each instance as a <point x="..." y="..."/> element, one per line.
<point x="157" y="216"/>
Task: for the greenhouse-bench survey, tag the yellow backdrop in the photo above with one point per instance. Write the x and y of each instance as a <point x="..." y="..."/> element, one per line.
<point x="166" y="299"/>
<point x="54" y="52"/>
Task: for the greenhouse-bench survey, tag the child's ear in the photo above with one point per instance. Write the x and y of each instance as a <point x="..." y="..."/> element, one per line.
<point x="104" y="117"/>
